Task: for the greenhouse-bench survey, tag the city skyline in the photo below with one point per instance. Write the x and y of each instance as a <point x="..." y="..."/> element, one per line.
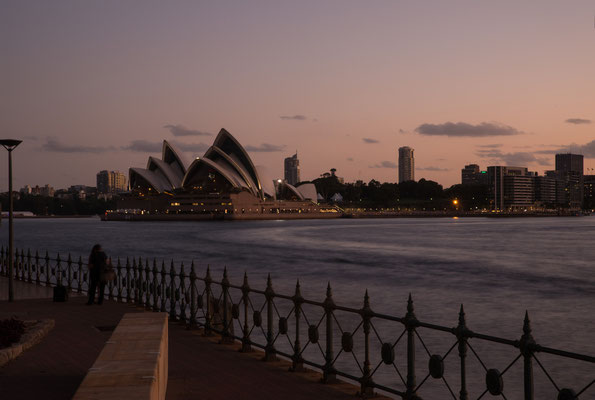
<point x="97" y="86"/>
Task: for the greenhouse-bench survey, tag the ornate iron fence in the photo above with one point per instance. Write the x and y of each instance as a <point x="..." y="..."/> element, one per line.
<point x="260" y="321"/>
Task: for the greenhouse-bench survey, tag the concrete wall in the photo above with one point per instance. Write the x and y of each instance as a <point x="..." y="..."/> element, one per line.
<point x="133" y="362"/>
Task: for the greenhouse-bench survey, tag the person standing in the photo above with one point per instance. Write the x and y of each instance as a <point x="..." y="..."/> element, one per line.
<point x="97" y="265"/>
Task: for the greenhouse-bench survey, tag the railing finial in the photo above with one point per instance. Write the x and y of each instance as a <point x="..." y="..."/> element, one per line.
<point x="462" y="321"/>
<point x="527" y="324"/>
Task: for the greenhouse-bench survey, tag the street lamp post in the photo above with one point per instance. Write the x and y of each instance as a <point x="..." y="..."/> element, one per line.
<point x="10" y="144"/>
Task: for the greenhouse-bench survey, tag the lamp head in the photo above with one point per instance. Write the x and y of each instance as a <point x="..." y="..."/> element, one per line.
<point x="10" y="144"/>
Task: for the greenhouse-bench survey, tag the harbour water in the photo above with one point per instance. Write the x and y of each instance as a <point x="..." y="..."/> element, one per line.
<point x="497" y="268"/>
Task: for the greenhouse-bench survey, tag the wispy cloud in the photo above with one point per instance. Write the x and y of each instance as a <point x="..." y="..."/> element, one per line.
<point x="144" y="146"/>
<point x="349" y="158"/>
<point x="297" y="117"/>
<point x="181" y="130"/>
<point x="489" y="146"/>
<point x="370" y="140"/>
<point x="578" y="121"/>
<point x="384" y="164"/>
<point x="517" y="159"/>
<point x="437" y="169"/>
<point x="56" y="146"/>
<point x="403" y="131"/>
<point x="587" y="149"/>
<point x="463" y="129"/>
<point x="265" y="148"/>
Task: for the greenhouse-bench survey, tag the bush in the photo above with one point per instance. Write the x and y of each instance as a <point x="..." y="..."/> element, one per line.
<point x="10" y="331"/>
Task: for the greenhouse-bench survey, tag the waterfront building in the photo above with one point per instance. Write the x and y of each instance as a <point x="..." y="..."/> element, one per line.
<point x="292" y="169"/>
<point x="589" y="192"/>
<point x="546" y="191"/>
<point x="109" y="182"/>
<point x="406" y="164"/>
<point x="510" y="187"/>
<point x="569" y="168"/>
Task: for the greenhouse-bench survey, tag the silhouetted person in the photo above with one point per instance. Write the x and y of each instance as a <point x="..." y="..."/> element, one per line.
<point x="97" y="265"/>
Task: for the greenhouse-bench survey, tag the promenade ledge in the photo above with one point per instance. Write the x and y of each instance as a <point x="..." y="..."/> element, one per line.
<point x="403" y="356"/>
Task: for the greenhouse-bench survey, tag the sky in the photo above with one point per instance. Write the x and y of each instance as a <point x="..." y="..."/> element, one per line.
<point x="93" y="85"/>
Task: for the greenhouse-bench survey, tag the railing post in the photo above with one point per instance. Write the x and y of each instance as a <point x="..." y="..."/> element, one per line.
<point x="69" y="276"/>
<point x="208" y="314"/>
<point x="410" y="324"/>
<point x="110" y="284"/>
<point x="47" y="268"/>
<point x="2" y="260"/>
<point x="58" y="270"/>
<point x="163" y="287"/>
<point x="527" y="345"/>
<point x="29" y="279"/>
<point x="155" y="291"/>
<point x="137" y="277"/>
<point x="119" y="280"/>
<point x="182" y="289"/>
<point x="366" y="382"/>
<point x="297" y="360"/>
<point x="172" y="292"/>
<point x="192" y="321"/>
<point x="246" y="342"/>
<point x="329" y="373"/>
<point x="147" y="286"/>
<point x="140" y="283"/>
<point x="79" y="283"/>
<point x="128" y="297"/>
<point x="37" y="267"/>
<point x="23" y="265"/>
<point x="461" y="333"/>
<point x="270" y="351"/>
<point x="226" y="336"/>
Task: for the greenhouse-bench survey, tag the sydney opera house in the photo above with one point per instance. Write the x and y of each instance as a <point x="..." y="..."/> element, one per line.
<point x="222" y="184"/>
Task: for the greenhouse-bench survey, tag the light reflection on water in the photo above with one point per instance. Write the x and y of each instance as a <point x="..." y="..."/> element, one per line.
<point x="497" y="268"/>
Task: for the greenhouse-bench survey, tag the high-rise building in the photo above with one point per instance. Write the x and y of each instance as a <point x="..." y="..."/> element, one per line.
<point x="406" y="164"/>
<point x="569" y="168"/>
<point x="111" y="182"/>
<point x="511" y="187"/>
<point x="589" y="199"/>
<point x="472" y="175"/>
<point x="292" y="169"/>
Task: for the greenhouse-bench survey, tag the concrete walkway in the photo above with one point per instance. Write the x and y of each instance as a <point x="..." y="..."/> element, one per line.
<point x="198" y="367"/>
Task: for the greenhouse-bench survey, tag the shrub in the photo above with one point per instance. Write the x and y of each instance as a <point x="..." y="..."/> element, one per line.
<point x="10" y="331"/>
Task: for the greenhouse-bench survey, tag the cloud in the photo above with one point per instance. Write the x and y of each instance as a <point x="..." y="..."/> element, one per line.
<point x="578" y="121"/>
<point x="517" y="159"/>
<point x="587" y="149"/>
<point x="181" y="130"/>
<point x="296" y="117"/>
<point x="384" y="164"/>
<point x="403" y="131"/>
<point x="349" y="158"/>
<point x="56" y="146"/>
<point x="438" y="169"/>
<point x="489" y="146"/>
<point x="265" y="148"/>
<point x="369" y="140"/>
<point x="463" y="129"/>
<point x="144" y="146"/>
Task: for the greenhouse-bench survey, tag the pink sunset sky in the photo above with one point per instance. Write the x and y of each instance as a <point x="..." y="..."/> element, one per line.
<point x="92" y="85"/>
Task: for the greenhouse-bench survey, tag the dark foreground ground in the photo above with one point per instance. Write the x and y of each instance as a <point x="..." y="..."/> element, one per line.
<point x="198" y="366"/>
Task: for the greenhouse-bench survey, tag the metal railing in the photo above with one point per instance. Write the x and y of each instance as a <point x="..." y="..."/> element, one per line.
<point x="261" y="321"/>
